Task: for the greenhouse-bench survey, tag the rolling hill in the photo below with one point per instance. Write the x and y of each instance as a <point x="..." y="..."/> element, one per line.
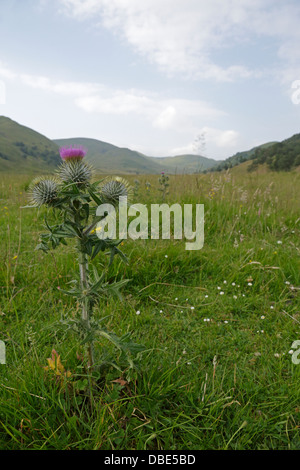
<point x="240" y="157"/>
<point x="24" y="150"/>
<point x="281" y="156"/>
<point x="108" y="158"/>
<point x="188" y="163"/>
<point x="27" y="151"/>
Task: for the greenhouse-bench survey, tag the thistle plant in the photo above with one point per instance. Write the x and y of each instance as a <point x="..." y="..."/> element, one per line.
<point x="136" y="187"/>
<point x="74" y="199"/>
<point x="163" y="181"/>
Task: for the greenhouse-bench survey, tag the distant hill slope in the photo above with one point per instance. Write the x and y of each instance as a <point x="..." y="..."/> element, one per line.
<point x="240" y="157"/>
<point x="24" y="150"/>
<point x="108" y="158"/>
<point x="186" y="163"/>
<point x="281" y="156"/>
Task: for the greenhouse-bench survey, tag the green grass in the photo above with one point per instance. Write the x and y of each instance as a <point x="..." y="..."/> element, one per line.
<point x="226" y="383"/>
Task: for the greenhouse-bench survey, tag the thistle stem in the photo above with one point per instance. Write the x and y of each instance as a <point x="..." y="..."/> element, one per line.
<point x="83" y="270"/>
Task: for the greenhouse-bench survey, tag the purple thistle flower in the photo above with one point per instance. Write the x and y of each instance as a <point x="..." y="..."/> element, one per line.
<point x="72" y="153"/>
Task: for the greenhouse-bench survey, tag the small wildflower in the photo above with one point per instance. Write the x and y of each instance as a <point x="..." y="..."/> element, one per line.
<point x="291" y="351"/>
<point x="138" y="312"/>
<point x="262" y="317"/>
<point x="166" y="256"/>
<point x="206" y="296"/>
<point x="224" y="282"/>
<point x="235" y="297"/>
<point x="271" y="307"/>
<point x="192" y="308"/>
<point x="221" y="293"/>
<point x="279" y="242"/>
<point x="233" y="283"/>
<point x="249" y="283"/>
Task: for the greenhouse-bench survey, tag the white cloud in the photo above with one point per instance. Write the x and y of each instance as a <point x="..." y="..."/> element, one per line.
<point x="164" y="114"/>
<point x="181" y="36"/>
<point x="181" y="115"/>
<point x="5" y="72"/>
<point x="215" y="139"/>
<point x="60" y="87"/>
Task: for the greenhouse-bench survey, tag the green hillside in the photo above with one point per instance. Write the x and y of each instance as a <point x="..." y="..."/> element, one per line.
<point x="27" y="151"/>
<point x="281" y="156"/>
<point x="240" y="157"/>
<point x="24" y="150"/>
<point x="108" y="158"/>
<point x="186" y="163"/>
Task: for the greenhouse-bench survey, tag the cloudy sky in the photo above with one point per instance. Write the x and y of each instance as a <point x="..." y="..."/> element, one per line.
<point x="163" y="77"/>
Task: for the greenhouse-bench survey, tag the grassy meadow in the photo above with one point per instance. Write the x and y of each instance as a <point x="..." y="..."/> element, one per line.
<point x="217" y="325"/>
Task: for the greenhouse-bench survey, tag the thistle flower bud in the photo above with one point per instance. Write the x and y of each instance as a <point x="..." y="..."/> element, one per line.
<point x="43" y="190"/>
<point x="114" y="188"/>
<point x="75" y="171"/>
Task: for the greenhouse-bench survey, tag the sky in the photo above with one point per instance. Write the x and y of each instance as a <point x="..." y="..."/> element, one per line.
<point x="163" y="77"/>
